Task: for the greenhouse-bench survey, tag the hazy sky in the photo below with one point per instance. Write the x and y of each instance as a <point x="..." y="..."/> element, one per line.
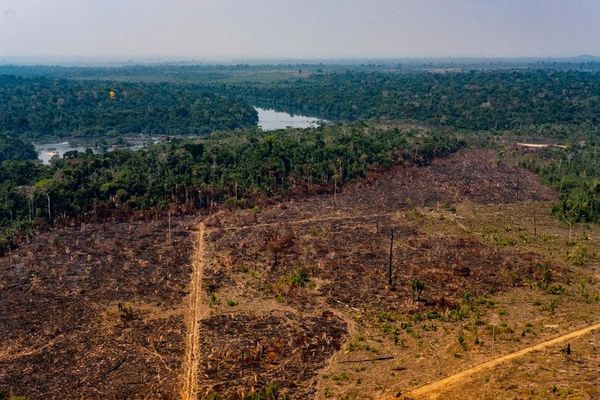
<point x="205" y="29"/>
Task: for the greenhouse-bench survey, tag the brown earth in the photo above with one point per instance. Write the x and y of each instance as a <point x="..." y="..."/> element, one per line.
<point x="62" y="331"/>
<point x="468" y="175"/>
<point x="242" y="352"/>
<point x="294" y="296"/>
<point x="331" y="253"/>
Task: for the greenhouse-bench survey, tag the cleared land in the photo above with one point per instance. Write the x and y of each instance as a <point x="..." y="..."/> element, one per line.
<point x="295" y="298"/>
<point x="97" y="311"/>
<point x="435" y="389"/>
<point x="496" y="267"/>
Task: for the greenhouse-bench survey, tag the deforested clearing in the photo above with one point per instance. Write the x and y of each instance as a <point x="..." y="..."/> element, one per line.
<point x="297" y="296"/>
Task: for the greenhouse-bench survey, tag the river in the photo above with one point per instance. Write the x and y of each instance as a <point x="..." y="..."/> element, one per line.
<point x="268" y="120"/>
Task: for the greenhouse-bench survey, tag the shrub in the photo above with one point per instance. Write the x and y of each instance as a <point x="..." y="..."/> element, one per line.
<point x="462" y="341"/>
<point x="555" y="289"/>
<point x="417" y="286"/>
<point x="298" y="278"/>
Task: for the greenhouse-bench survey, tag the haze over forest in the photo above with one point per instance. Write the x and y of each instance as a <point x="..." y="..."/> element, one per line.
<point x="63" y="31"/>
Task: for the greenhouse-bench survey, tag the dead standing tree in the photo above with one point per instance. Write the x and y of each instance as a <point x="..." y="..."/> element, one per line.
<point x="28" y="192"/>
<point x="389" y="271"/>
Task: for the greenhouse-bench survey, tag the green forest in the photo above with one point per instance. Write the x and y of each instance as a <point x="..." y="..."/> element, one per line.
<point x="233" y="168"/>
<point x="43" y="108"/>
<point x="475" y="100"/>
<point x="575" y="173"/>
<point x="238" y="164"/>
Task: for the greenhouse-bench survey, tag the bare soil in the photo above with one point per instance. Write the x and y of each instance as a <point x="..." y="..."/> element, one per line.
<point x="296" y="296"/>
<point x="242" y="353"/>
<point x="96" y="312"/>
<point x="331" y="253"/>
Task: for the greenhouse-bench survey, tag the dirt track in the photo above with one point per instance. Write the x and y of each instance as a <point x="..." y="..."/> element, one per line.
<point x="433" y="390"/>
<point x="195" y="313"/>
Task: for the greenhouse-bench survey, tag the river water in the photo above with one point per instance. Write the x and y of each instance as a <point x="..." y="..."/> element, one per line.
<point x="268" y="120"/>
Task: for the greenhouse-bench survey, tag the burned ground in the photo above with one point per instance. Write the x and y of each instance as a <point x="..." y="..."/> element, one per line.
<point x="95" y="312"/>
<point x="293" y="288"/>
<point x="242" y="353"/>
<point x="478" y="176"/>
<point x="346" y="260"/>
<point x="331" y="253"/>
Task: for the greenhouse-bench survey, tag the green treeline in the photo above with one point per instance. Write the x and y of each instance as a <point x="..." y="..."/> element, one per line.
<point x="476" y="100"/>
<point x="41" y="107"/>
<point x="235" y="168"/>
<point x="16" y="149"/>
<point x="575" y="173"/>
<point x="238" y="167"/>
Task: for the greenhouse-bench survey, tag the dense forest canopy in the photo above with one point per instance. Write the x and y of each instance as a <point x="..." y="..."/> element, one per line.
<point x="16" y="149"/>
<point x="475" y="100"/>
<point x="41" y="107"/>
<point x="551" y="101"/>
<point x="283" y="69"/>
<point x="235" y="168"/>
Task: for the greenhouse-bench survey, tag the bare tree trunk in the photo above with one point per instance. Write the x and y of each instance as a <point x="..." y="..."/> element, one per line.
<point x="169" y="233"/>
<point x="49" y="208"/>
<point x="335" y="194"/>
<point x="570" y="227"/>
<point x="390" y="283"/>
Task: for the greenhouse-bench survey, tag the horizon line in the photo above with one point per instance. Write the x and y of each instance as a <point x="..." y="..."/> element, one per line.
<point x="100" y="60"/>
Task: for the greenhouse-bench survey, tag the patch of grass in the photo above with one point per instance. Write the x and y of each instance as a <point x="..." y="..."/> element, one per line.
<point x="359" y="344"/>
<point x="484" y="301"/>
<point x="417" y="317"/>
<point x="271" y="391"/>
<point x="417" y="287"/>
<point x="343" y="377"/>
<point x="415" y="215"/>
<point x="552" y="305"/>
<point x="387" y="316"/>
<point x="298" y="278"/>
<point x="448" y="206"/>
<point x="503" y="241"/>
<point x="555" y="289"/>
<point x="462" y="341"/>
<point x="504" y="328"/>
<point x="477" y="320"/>
<point x="5" y="396"/>
<point x="459" y="313"/>
<point x="316" y="232"/>
<point x="580" y="255"/>
<point x="406" y="327"/>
